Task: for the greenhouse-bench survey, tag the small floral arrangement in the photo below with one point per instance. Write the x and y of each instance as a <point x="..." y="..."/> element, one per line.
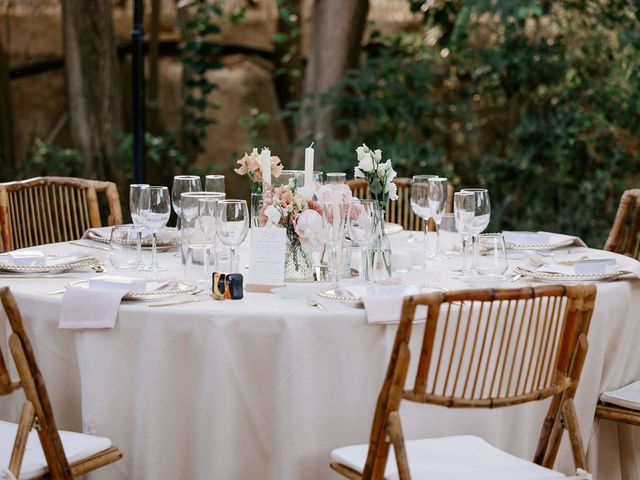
<point x="297" y="211"/>
<point x="379" y="174"/>
<point x="250" y="166"/>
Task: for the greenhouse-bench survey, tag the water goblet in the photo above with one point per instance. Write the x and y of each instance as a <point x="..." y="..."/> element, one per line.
<point x="155" y="213"/>
<point x="334" y="222"/>
<point x="437" y="200"/>
<point x="181" y="184"/>
<point x="232" y="226"/>
<point x="363" y="215"/>
<point x="420" y="206"/>
<point x="207" y="224"/>
<point x="214" y="183"/>
<point x="481" y="219"/>
<point x="135" y="196"/>
<point x="464" y="209"/>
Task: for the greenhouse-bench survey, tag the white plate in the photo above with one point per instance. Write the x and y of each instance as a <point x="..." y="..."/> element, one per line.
<point x="63" y="267"/>
<point x="392" y="228"/>
<point x="564" y="278"/>
<point x="146" y="241"/>
<point x="342" y="295"/>
<point x="168" y="290"/>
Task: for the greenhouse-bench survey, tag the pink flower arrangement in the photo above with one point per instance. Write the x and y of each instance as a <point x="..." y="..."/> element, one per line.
<point x="249" y="165"/>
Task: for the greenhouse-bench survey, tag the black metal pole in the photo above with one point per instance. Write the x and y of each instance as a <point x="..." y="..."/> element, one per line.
<point x="137" y="67"/>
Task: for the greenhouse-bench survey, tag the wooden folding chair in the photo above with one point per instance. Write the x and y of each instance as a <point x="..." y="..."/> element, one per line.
<point x="480" y="349"/>
<point x="41" y="455"/>
<point x="399" y="211"/>
<point x="52" y="209"/>
<point x="624" y="236"/>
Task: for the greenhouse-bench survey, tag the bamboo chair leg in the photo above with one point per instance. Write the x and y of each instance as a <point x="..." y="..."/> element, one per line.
<point x="397" y="439"/>
<point x="571" y="421"/>
<point x="22" y="435"/>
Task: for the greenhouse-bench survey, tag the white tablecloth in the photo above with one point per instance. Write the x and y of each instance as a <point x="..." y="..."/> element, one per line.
<point x="266" y="387"/>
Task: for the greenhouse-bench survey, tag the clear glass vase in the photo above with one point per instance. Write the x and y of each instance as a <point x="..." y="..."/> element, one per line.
<point x="298" y="264"/>
<point x="379" y="254"/>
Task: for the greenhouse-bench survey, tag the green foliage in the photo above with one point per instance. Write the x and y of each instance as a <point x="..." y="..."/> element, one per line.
<point x="48" y="159"/>
<point x="537" y="100"/>
<point x="162" y="150"/>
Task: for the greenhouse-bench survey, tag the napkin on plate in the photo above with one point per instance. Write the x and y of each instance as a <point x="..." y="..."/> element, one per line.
<point x="566" y="264"/>
<point x="383" y="303"/>
<point x="539" y="238"/>
<point x="89" y="308"/>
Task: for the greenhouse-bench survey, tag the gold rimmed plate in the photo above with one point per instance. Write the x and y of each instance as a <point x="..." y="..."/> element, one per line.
<point x="83" y="263"/>
<point x="570" y="278"/>
<point x="146" y="242"/>
<point x="541" y="246"/>
<point x="169" y="289"/>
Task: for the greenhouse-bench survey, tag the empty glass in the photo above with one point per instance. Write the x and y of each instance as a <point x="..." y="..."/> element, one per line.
<point x="189" y="201"/>
<point x="207" y="223"/>
<point x="134" y="207"/>
<point x="464" y="209"/>
<point x="362" y="230"/>
<point x="232" y="226"/>
<point x="197" y="269"/>
<point x="420" y="204"/>
<point x="437" y="195"/>
<point x="336" y="177"/>
<point x="181" y="184"/>
<point x="155" y="212"/>
<point x="492" y="259"/>
<point x="214" y="183"/>
<point x="318" y="177"/>
<point x="449" y="237"/>
<point x="482" y="217"/>
<point x="121" y="255"/>
<point x="335" y="221"/>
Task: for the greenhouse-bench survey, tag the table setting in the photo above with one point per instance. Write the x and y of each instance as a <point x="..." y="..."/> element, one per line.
<point x="264" y="317"/>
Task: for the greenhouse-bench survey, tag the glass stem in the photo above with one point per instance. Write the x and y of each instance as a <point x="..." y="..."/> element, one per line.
<point x="465" y="255"/>
<point x="154" y="253"/>
<point x="206" y="261"/>
<point x="335" y="276"/>
<point x="365" y="272"/>
<point x="139" y="245"/>
<point x="437" y="239"/>
<point x="474" y="243"/>
<point x="232" y="260"/>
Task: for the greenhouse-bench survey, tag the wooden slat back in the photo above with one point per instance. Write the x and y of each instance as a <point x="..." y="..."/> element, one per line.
<point x="489" y="348"/>
<point x="52" y="209"/>
<point x="624" y="236"/>
<point x="37" y="402"/>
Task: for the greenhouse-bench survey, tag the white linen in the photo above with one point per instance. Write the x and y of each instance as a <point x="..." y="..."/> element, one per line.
<point x="266" y="387"/>
<point x="90" y="308"/>
<point x="383" y="303"/>
<point x="627" y="396"/>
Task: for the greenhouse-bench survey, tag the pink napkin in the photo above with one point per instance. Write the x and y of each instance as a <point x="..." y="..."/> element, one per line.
<point x="89" y="308"/>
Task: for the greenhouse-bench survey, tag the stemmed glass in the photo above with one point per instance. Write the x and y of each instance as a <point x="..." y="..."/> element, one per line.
<point x="232" y="226"/>
<point x="135" y="197"/>
<point x="481" y="219"/>
<point x="214" y="183"/>
<point x="464" y="209"/>
<point x="207" y="222"/>
<point x="363" y="215"/>
<point x="155" y="213"/>
<point x="437" y="195"/>
<point x="334" y="222"/>
<point x="420" y="204"/>
<point x="181" y="184"/>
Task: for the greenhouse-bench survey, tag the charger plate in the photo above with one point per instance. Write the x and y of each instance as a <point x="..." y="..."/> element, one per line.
<point x="169" y="290"/>
<point x="567" y="278"/>
<point x="63" y="267"/>
<point x="541" y="246"/>
<point x="146" y="242"/>
<point x="336" y="293"/>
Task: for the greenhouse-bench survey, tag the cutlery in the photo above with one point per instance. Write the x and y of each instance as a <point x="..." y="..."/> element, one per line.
<point x="312" y="302"/>
<point x="181" y="302"/>
<point x="85" y="245"/>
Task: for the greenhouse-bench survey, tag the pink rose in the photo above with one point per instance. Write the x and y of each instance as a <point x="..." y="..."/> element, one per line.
<point x="276" y="167"/>
<point x="310" y="229"/>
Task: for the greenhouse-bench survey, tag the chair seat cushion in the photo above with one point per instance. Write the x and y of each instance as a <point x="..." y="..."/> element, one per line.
<point x="451" y="458"/>
<point x="627" y="396"/>
<point x="77" y="446"/>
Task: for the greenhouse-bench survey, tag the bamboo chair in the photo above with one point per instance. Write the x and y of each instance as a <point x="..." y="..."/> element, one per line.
<point x="399" y="211"/>
<point x="496" y="348"/>
<point x="52" y="209"/>
<point x="624" y="236"/>
<point x="84" y="453"/>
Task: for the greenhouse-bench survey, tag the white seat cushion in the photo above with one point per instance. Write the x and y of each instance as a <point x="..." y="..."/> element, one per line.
<point x="77" y="446"/>
<point x="451" y="458"/>
<point x="627" y="396"/>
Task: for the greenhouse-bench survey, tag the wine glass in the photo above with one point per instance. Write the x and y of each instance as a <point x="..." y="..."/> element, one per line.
<point x="481" y="219"/>
<point x="155" y="213"/>
<point x="420" y="205"/>
<point x="135" y="192"/>
<point x="464" y="209"/>
<point x="214" y="183"/>
<point x="232" y="226"/>
<point x="334" y="223"/>
<point x="361" y="226"/>
<point x="181" y="184"/>
<point x="207" y="224"/>
<point x="437" y="200"/>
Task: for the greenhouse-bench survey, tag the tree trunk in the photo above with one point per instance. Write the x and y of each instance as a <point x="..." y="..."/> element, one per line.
<point x="93" y="87"/>
<point x="154" y="122"/>
<point x="7" y="154"/>
<point x="336" y="35"/>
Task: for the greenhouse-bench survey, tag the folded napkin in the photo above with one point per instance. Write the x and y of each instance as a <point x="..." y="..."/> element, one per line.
<point x="627" y="396"/>
<point x="69" y="258"/>
<point x="567" y="264"/>
<point x="539" y="238"/>
<point x="383" y="303"/>
<point x="89" y="308"/>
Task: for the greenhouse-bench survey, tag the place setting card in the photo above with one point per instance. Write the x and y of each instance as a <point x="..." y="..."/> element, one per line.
<point x="266" y="266"/>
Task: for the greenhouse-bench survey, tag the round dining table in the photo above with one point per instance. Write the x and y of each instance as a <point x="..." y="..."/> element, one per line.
<point x="265" y="387"/>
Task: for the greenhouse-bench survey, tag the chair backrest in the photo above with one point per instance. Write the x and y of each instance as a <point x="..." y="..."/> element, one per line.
<point x="624" y="236"/>
<point x="399" y="211"/>
<point x="491" y="348"/>
<point x="52" y="209"/>
<point x="36" y="409"/>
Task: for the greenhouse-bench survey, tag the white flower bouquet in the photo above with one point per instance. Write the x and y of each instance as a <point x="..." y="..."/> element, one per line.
<point x="379" y="174"/>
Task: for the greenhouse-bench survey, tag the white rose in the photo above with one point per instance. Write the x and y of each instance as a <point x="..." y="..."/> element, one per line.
<point x="357" y="173"/>
<point x="366" y="164"/>
<point x="272" y="214"/>
<point x="377" y="155"/>
<point x="362" y="151"/>
<point x="392" y="189"/>
<point x="391" y="173"/>
<point x="382" y="170"/>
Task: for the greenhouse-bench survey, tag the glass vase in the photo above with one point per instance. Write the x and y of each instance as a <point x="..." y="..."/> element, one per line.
<point x="379" y="253"/>
<point x="298" y="264"/>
